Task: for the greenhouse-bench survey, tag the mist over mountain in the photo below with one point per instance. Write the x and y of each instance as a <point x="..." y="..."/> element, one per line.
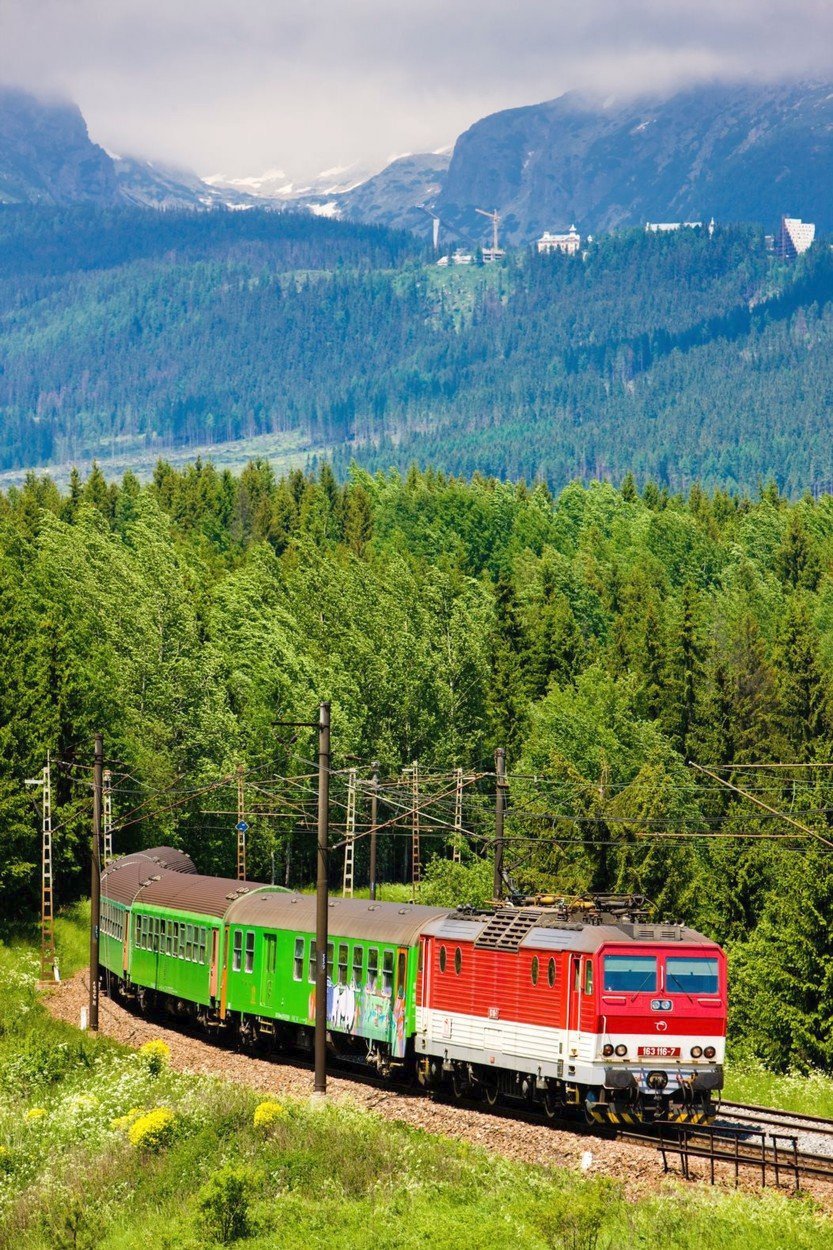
<point x="47" y="156"/>
<point x="738" y="153"/>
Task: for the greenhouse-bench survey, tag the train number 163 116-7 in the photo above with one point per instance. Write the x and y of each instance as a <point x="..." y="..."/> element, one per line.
<point x="658" y="1052"/>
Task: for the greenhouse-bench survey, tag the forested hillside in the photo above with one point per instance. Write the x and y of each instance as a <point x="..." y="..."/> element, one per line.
<point x="681" y="358"/>
<point x="604" y="637"/>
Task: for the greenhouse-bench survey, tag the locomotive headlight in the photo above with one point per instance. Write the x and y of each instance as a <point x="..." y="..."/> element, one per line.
<point x="607" y="1050"/>
<point x="710" y="1052"/>
<point x="696" y="1052"/>
<point x="621" y="1050"/>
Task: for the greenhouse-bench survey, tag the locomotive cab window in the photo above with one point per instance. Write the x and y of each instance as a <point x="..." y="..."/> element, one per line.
<point x="237" y="952"/>
<point x="250" y="950"/>
<point x="633" y="974"/>
<point x="588" y="977"/>
<point x="298" y="966"/>
<point x="695" y="975"/>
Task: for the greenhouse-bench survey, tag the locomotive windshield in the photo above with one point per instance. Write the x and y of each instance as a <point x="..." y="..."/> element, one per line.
<point x="634" y="974"/>
<point x="691" y="976"/>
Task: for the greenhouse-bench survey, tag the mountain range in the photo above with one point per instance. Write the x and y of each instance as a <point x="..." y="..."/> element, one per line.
<point x="734" y="152"/>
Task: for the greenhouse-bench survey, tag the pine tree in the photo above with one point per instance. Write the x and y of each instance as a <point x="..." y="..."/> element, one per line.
<point x="804" y="688"/>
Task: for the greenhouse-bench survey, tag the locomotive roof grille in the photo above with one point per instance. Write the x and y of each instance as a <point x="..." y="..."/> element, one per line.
<point x="505" y="930"/>
<point x="653" y="932"/>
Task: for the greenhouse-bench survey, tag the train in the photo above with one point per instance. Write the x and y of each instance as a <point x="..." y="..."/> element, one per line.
<point x="586" y="1007"/>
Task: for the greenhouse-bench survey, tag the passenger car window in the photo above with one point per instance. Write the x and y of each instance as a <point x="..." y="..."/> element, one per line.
<point x="358" y="964"/>
<point x="250" y="951"/>
<point x="237" y="952"/>
<point x="373" y="970"/>
<point x="387" y="972"/>
<point x="313" y="972"/>
<point x="298" y="968"/>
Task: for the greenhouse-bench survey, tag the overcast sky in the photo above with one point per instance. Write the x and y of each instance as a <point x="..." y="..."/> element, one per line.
<point x="238" y="86"/>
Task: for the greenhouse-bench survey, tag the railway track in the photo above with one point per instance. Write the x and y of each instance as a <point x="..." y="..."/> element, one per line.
<point x="763" y="1139"/>
<point x="750" y="1113"/>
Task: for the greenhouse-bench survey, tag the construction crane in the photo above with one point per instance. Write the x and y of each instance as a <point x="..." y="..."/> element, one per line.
<point x="435" y="222"/>
<point x="495" y="252"/>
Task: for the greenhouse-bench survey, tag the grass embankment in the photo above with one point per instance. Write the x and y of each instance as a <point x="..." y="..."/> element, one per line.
<point x="80" y="1167"/>
<point x="810" y="1094"/>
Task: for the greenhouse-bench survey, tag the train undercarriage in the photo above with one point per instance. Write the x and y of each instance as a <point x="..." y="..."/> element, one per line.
<point x="620" y="1100"/>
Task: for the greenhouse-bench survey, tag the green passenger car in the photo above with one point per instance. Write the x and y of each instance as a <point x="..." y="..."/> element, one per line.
<point x="372" y="964"/>
<point x="242" y="955"/>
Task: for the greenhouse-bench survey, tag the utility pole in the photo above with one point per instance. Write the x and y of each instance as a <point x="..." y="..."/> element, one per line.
<point x="322" y="901"/>
<point x="500" y="808"/>
<point x="374" y="820"/>
<point x="350" y="838"/>
<point x="108" y="819"/>
<point x="241" y="827"/>
<point x="95" y="881"/>
<point x="416" y="861"/>
<point x="48" y="958"/>
<point x="458" y="816"/>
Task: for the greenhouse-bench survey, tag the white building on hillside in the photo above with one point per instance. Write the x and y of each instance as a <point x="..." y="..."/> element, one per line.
<point x="795" y="237"/>
<point x="568" y="243"/>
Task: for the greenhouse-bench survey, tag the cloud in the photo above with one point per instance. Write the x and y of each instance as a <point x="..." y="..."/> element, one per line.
<point x="239" y="86"/>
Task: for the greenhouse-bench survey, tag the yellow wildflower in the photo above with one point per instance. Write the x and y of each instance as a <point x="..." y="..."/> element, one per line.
<point x="153" y="1130"/>
<point x="156" y="1054"/>
<point x="266" y="1113"/>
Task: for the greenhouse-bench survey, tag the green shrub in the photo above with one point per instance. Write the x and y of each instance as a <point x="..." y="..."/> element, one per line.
<point x="223" y="1204"/>
<point x="575" y="1220"/>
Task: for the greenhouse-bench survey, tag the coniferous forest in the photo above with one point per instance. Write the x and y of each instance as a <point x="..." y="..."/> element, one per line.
<point x="682" y="358"/>
<point x="604" y="636"/>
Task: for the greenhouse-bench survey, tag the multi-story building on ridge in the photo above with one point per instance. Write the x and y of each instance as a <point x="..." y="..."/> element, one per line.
<point x="568" y="243"/>
<point x="795" y="237"/>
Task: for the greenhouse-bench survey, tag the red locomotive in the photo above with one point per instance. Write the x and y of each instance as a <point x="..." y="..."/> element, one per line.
<point x="596" y="1009"/>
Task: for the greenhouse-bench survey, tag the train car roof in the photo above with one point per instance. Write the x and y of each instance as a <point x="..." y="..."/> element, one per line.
<point x="122" y="879"/>
<point x="206" y="896"/>
<point x="510" y="929"/>
<point x="348" y="917"/>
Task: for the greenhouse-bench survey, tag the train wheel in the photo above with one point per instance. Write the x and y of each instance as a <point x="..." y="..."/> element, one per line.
<point x="458" y="1084"/>
<point x="551" y="1104"/>
<point x="491" y="1088"/>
